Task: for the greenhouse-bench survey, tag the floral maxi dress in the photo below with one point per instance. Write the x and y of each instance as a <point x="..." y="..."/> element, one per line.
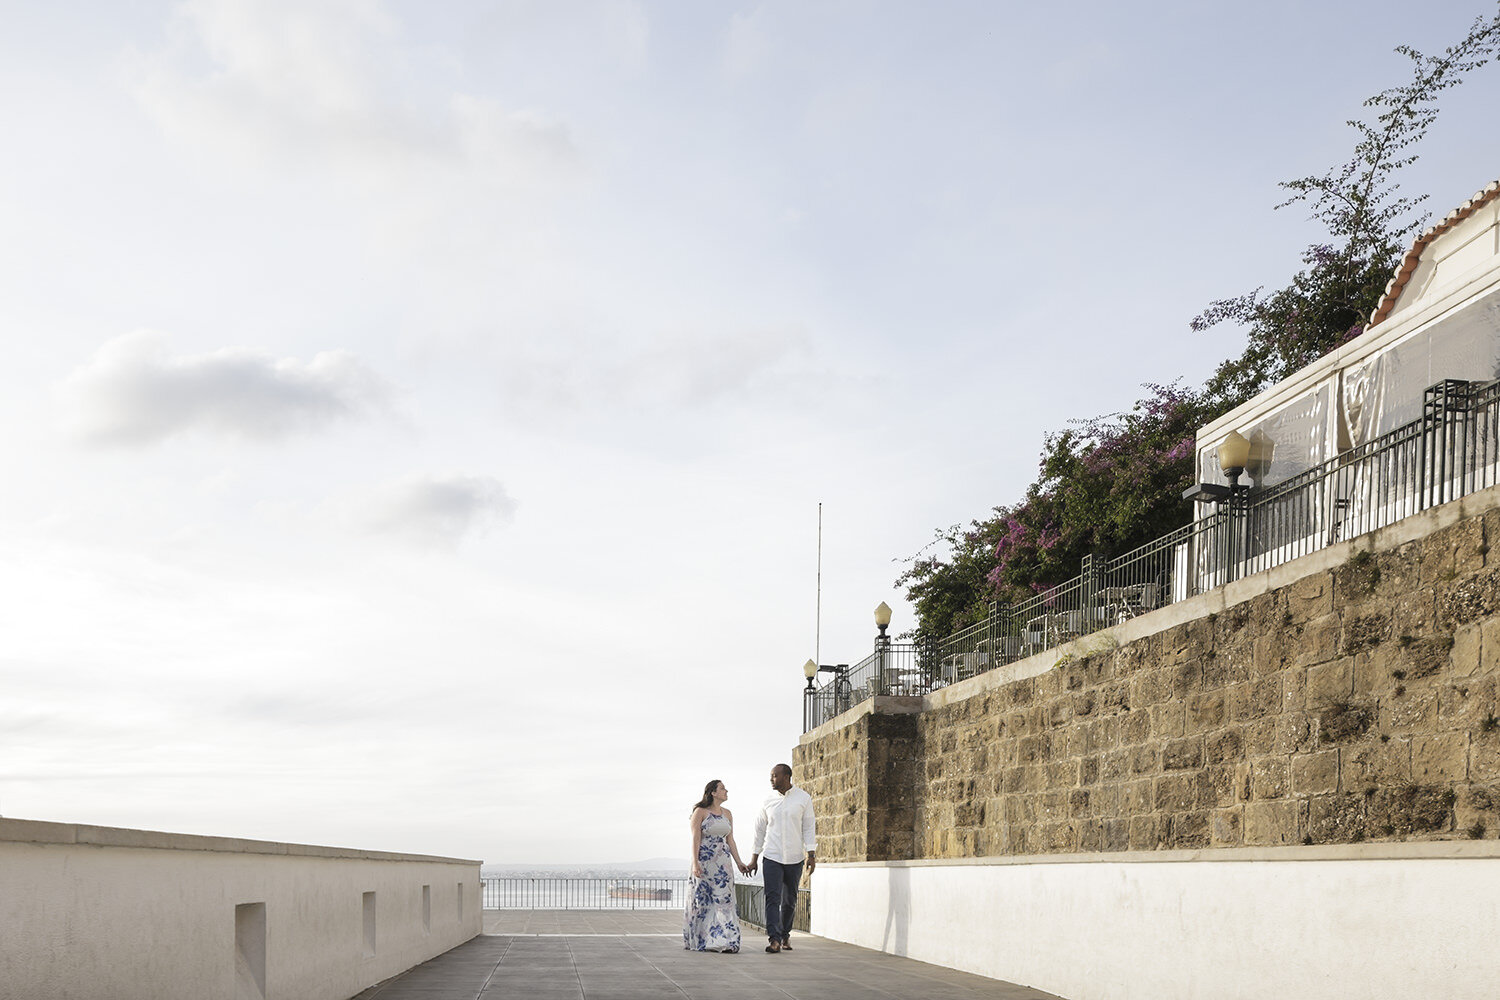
<point x="709" y="923"/>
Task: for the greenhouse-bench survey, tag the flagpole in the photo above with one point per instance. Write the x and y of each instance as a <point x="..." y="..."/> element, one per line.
<point x="818" y="621"/>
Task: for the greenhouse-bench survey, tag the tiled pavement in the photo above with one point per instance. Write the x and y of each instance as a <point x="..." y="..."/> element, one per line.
<point x="593" y="955"/>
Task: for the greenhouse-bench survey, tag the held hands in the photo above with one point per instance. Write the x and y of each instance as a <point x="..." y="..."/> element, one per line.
<point x="697" y="869"/>
<point x="750" y="868"/>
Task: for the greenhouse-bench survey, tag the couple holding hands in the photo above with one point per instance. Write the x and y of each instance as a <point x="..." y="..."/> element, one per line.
<point x="783" y="841"/>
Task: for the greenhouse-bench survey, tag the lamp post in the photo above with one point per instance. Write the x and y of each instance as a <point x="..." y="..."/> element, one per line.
<point x="882" y="645"/>
<point x="1235" y="453"/>
<point x="811" y="669"/>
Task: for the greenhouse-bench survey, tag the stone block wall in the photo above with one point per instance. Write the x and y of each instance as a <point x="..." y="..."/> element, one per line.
<point x="1356" y="703"/>
<point x="863" y="779"/>
<point x="832" y="770"/>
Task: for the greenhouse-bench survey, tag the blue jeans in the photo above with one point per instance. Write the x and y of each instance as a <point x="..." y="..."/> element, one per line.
<point x="781" y="896"/>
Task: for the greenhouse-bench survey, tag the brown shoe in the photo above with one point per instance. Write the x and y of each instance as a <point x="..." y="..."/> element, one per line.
<point x="773" y="947"/>
<point x="786" y="944"/>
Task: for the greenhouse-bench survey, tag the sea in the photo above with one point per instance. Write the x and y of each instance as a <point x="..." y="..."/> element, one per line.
<point x="650" y="868"/>
<point x="654" y="883"/>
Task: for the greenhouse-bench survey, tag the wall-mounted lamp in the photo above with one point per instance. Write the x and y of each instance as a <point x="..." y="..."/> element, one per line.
<point x="1234" y="455"/>
<point x="811" y="669"/>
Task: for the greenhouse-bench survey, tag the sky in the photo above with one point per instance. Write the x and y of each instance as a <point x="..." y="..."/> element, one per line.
<point x="415" y="417"/>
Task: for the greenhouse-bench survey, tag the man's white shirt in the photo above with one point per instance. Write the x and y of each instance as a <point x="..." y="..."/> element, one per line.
<point x="784" y="827"/>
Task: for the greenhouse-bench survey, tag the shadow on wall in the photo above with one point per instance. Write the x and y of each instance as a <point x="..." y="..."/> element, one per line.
<point x="897" y="911"/>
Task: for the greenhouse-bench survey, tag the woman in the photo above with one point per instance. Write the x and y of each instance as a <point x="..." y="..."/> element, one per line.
<point x="710" y="924"/>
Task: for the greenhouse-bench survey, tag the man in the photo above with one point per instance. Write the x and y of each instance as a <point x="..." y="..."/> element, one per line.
<point x="784" y="834"/>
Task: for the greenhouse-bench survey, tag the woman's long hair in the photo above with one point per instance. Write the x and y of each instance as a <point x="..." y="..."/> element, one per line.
<point x="707" y="802"/>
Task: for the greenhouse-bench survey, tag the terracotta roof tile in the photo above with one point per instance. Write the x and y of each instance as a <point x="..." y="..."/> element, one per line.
<point x="1409" y="262"/>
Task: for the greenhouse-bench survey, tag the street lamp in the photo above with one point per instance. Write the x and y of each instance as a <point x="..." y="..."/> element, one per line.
<point x="882" y="644"/>
<point x="1234" y="455"/>
<point x="812" y="669"/>
<point x="1235" y="452"/>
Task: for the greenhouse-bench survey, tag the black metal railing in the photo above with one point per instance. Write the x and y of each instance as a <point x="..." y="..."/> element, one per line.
<point x="1452" y="450"/>
<point x="750" y="906"/>
<point x="563" y="893"/>
<point x="894" y="668"/>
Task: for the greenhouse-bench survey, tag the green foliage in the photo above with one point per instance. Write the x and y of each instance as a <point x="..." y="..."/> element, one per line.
<point x="1110" y="484"/>
<point x="1326" y="305"/>
<point x="1105" y="486"/>
<point x="949" y="593"/>
<point x="1368" y="224"/>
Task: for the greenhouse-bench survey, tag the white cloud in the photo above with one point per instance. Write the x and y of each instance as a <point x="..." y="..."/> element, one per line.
<point x="439" y="510"/>
<point x="134" y="392"/>
<point x="326" y="83"/>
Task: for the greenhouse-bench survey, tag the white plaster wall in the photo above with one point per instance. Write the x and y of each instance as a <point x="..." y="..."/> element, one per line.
<point x="1451" y="257"/>
<point x="1414" y="927"/>
<point x="91" y="920"/>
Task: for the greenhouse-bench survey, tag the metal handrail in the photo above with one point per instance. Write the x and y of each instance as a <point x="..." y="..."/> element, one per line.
<point x="892" y="668"/>
<point x="576" y="893"/>
<point x="1452" y="450"/>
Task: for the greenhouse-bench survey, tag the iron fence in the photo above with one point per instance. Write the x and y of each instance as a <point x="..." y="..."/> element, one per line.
<point x="893" y="668"/>
<point x="1452" y="450"/>
<point x="1012" y="632"/>
<point x="750" y="906"/>
<point x="564" y="893"/>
